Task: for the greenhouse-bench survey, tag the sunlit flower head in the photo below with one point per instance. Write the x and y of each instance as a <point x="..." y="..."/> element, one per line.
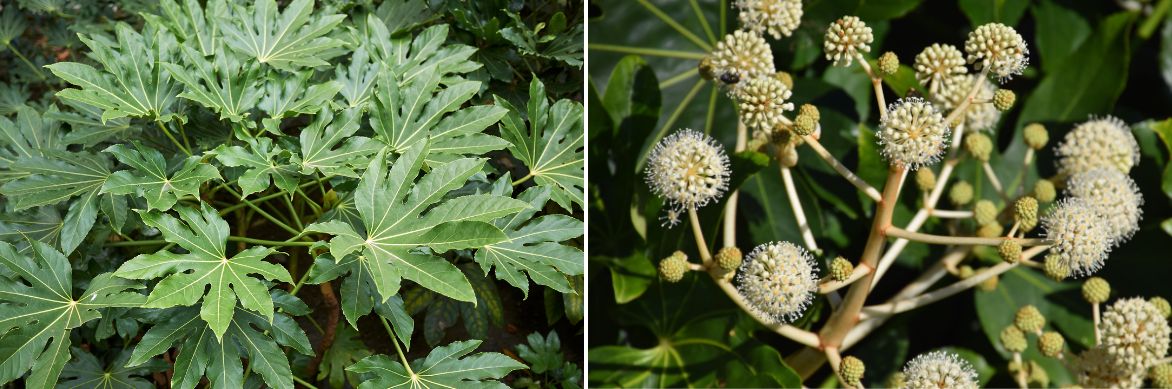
<point x="977" y="117"/>
<point x="1103" y="142"/>
<point x="688" y="169"/>
<point x="1080" y="240"/>
<point x="939" y="370"/>
<point x="762" y="102"/>
<point x="1115" y="198"/>
<point x="775" y="17"/>
<point x="937" y="63"/>
<point x="845" y="38"/>
<point x="1096" y="368"/>
<point x="1135" y="333"/>
<point x="740" y="56"/>
<point x="999" y="48"/>
<point x="913" y="134"/>
<point x="778" y="280"/>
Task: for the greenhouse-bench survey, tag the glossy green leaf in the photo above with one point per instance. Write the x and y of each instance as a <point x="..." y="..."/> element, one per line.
<point x="551" y="145"/>
<point x="291" y="40"/>
<point x="153" y="179"/>
<point x="533" y="247"/>
<point x="445" y="367"/>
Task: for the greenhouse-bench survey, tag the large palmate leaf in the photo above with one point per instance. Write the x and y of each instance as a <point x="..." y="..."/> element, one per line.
<point x="288" y="95"/>
<point x="86" y="126"/>
<point x="86" y="371"/>
<point x="132" y="84"/>
<point x="408" y="56"/>
<point x="225" y="84"/>
<point x="449" y="366"/>
<point x="153" y="179"/>
<point x="42" y="224"/>
<point x="191" y="23"/>
<point x="408" y="114"/>
<point x="358" y="78"/>
<point x="262" y="160"/>
<point x="38" y="310"/>
<point x="392" y="207"/>
<point x="329" y="146"/>
<point x="60" y="176"/>
<point x="201" y="353"/>
<point x="533" y="247"/>
<point x="206" y="266"/>
<point x="551" y="145"/>
<point x="555" y="42"/>
<point x="288" y="41"/>
<point x="31" y="135"/>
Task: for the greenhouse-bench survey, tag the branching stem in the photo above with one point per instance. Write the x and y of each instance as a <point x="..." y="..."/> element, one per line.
<point x="958" y="240"/>
<point x="799" y="214"/>
<point x="842" y="170"/>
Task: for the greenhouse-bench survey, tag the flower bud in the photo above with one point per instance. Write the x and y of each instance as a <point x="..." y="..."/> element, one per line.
<point x="1025" y="213"/>
<point x="1051" y="344"/>
<point x="1161" y="304"/>
<point x="851" y="369"/>
<point x="1003" y="99"/>
<point x="805" y="125"/>
<point x="846" y="38"/>
<point x="1029" y="319"/>
<point x="991" y="230"/>
<point x="979" y="145"/>
<point x="728" y="258"/>
<point x="673" y="268"/>
<point x="1036" y="136"/>
<point x="888" y="64"/>
<point x="785" y="78"/>
<point x="925" y="180"/>
<point x="841" y="269"/>
<point x="961" y="193"/>
<point x="776" y="17"/>
<point x="984" y="212"/>
<point x="964" y="272"/>
<point x="1161" y="375"/>
<point x="1013" y="339"/>
<point x="1055" y="267"/>
<point x="1044" y="191"/>
<point x="989" y="284"/>
<point x="1096" y="290"/>
<point x="1009" y="250"/>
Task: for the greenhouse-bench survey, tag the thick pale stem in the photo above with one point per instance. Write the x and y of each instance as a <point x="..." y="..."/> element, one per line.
<point x="992" y="176"/>
<point x="938" y="294"/>
<point x="730" y="207"/>
<point x="964" y="104"/>
<point x="950" y="214"/>
<point x="698" y="234"/>
<point x="842" y="170"/>
<point x="1097" y="318"/>
<point x="799" y="213"/>
<point x="958" y="240"/>
<point x="876" y="85"/>
<point x="835" y="359"/>
<point x="830" y="286"/>
<point x="1021" y="373"/>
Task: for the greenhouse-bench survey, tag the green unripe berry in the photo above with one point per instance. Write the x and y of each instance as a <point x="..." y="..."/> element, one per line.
<point x="811" y="111"/>
<point x="1096" y="290"/>
<point x="888" y="64"/>
<point x="1003" y="99"/>
<point x="984" y="212"/>
<point x="991" y="230"/>
<point x="1013" y="339"/>
<point x="961" y="193"/>
<point x="1161" y="376"/>
<point x="728" y="258"/>
<point x="1029" y="319"/>
<point x="1025" y="213"/>
<point x="851" y="369"/>
<point x="989" y="284"/>
<point x="786" y="79"/>
<point x="1036" y="136"/>
<point x="805" y="125"/>
<point x="925" y="180"/>
<point x="841" y="269"/>
<point x="707" y="69"/>
<point x="1051" y="344"/>
<point x="1162" y="305"/>
<point x="1044" y="191"/>
<point x="1055" y="268"/>
<point x="1010" y="251"/>
<point x="673" y="268"/>
<point x="965" y="271"/>
<point x="979" y="146"/>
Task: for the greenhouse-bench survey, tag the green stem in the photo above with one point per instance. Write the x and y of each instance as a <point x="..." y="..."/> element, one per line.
<point x="183" y="134"/>
<point x="269" y="242"/>
<point x="675" y="25"/>
<point x="676" y="79"/>
<point x="262" y="213"/>
<point x="303" y="382"/>
<point x="172" y="137"/>
<point x="522" y="180"/>
<point x="262" y="199"/>
<point x="304" y="277"/>
<point x="647" y="51"/>
<point x="308" y="200"/>
<point x="703" y="20"/>
<point x="395" y="340"/>
<point x="24" y="59"/>
<point x="293" y="211"/>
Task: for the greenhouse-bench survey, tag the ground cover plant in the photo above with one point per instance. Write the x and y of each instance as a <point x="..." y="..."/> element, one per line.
<point x="879" y="194"/>
<point x="291" y="194"/>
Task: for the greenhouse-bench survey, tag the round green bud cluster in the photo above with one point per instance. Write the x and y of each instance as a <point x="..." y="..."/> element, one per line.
<point x="961" y="193"/>
<point x="841" y="269"/>
<point x="673" y="268"/>
<point x="1029" y="319"/>
<point x="979" y="145"/>
<point x="1025" y="212"/>
<point x="785" y="78"/>
<point x="888" y="64"/>
<point x="851" y="369"/>
<point x="1055" y="268"/>
<point x="1161" y="304"/>
<point x="1036" y="136"/>
<point x="1038" y="375"/>
<point x="991" y="230"/>
<point x="1013" y="339"/>
<point x="925" y="180"/>
<point x="965" y="271"/>
<point x="728" y="258"/>
<point x="1044" y="191"/>
<point x="1051" y="344"/>
<point x="1009" y="250"/>
<point x="1096" y="290"/>
<point x="1161" y="375"/>
<point x="1003" y="99"/>
<point x="984" y="212"/>
<point x="989" y="284"/>
<point x="805" y="125"/>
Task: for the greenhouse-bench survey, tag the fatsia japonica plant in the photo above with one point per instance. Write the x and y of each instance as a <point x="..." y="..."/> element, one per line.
<point x="235" y="194"/>
<point x="765" y="262"/>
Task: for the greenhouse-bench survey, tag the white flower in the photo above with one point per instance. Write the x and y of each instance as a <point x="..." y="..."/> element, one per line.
<point x="742" y="55"/>
<point x="846" y="38"/>
<point x="778" y="280"/>
<point x="937" y="63"/>
<point x="1114" y="197"/>
<point x="776" y="17"/>
<point x="1080" y="240"/>
<point x="913" y="134"/>
<point x="939" y="370"/>
<point x="1135" y="333"/>
<point x="762" y="103"/>
<point x="977" y="117"/>
<point x="999" y="48"/>
<point x="1105" y="142"/>
<point x="1096" y="368"/>
<point x="688" y="169"/>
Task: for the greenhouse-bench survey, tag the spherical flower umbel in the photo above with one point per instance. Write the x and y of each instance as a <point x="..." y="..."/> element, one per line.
<point x="688" y="169"/>
<point x="1104" y="142"/>
<point x="1135" y="333"/>
<point x="762" y="103"/>
<point x="937" y="370"/>
<point x="846" y="38"/>
<point x="999" y="48"/>
<point x="778" y="280"/>
<point x="741" y="55"/>
<point x="978" y="117"/>
<point x="776" y="17"/>
<point x="1080" y="240"/>
<point x="1096" y="368"/>
<point x="913" y="134"/>
<point x="1115" y="198"/>
<point x="937" y="63"/>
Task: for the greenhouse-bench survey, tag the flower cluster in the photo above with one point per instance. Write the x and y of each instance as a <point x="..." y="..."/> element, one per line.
<point x="999" y="48"/>
<point x="1114" y="197"/>
<point x="778" y="280"/>
<point x="776" y="17"/>
<point x="762" y="103"/>
<point x="688" y="169"/>
<point x="939" y="369"/>
<point x="1135" y="336"/>
<point x="1103" y="142"/>
<point x="845" y="39"/>
<point x="913" y="134"/>
<point x="1080" y="241"/>
<point x="741" y="55"/>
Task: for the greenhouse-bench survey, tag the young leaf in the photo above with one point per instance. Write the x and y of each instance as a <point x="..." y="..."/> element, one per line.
<point x="358" y="79"/>
<point x="533" y="247"/>
<point x="160" y="185"/>
<point x="320" y="149"/>
<point x="551" y="146"/>
<point x="346" y="350"/>
<point x="192" y="24"/>
<point x="225" y="84"/>
<point x="206" y="266"/>
<point x="37" y="309"/>
<point x="408" y="56"/>
<point x="288" y="41"/>
<point x="287" y="95"/>
<point x="543" y="353"/>
<point x="391" y="204"/>
<point x="445" y="367"/>
<point x="261" y="160"/>
<point x="133" y="83"/>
